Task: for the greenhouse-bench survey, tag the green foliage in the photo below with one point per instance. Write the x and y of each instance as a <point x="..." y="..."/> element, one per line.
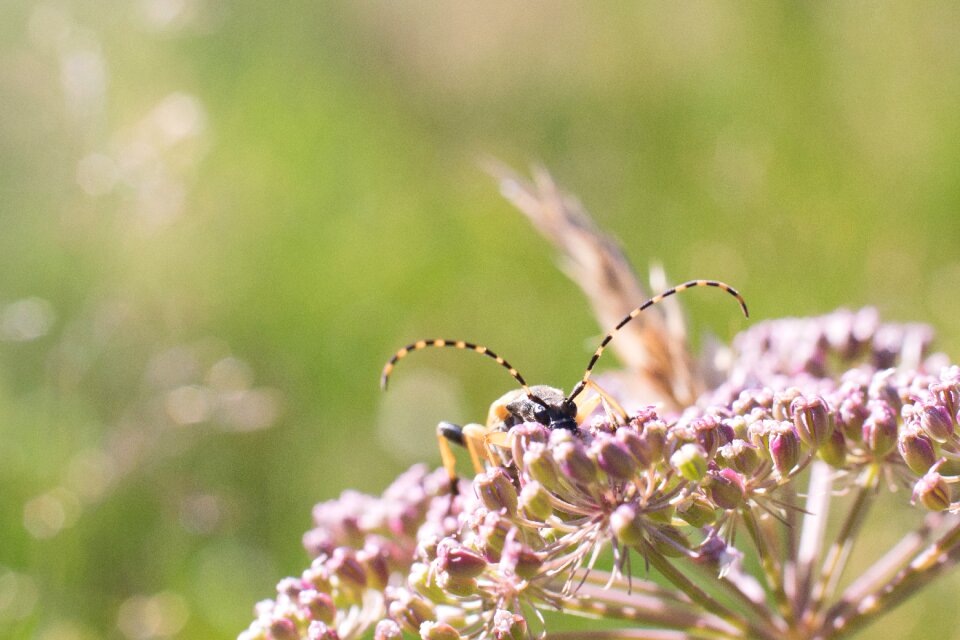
<point x="318" y="203"/>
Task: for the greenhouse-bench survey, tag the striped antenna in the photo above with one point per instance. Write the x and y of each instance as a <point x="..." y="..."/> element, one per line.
<point x="646" y="305"/>
<point x="456" y="344"/>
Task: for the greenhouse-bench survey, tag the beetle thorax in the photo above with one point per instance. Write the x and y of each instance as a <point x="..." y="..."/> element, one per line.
<point x="549" y="407"/>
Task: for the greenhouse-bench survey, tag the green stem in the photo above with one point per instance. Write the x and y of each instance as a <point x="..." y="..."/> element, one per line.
<point x="698" y="595"/>
<point x="770" y="566"/>
<point x="621" y="634"/>
<point x="689" y="619"/>
<point x="846" y="617"/>
<point x="839" y="552"/>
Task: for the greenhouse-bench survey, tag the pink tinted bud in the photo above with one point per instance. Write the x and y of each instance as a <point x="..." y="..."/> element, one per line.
<point x="320" y="631"/>
<point x="783" y="404"/>
<point x="495" y="489"/>
<point x="917" y="450"/>
<point x="812" y="419"/>
<point x="725" y="488"/>
<point x="880" y="429"/>
<point x="708" y="434"/>
<point x="932" y="492"/>
<point x="646" y="447"/>
<point x="457" y="560"/>
<point x="283" y="629"/>
<point x="575" y="463"/>
<point x="387" y="630"/>
<point x="936" y="421"/>
<point x="614" y="458"/>
<point x="852" y="413"/>
<point x="523" y="435"/>
<point x="509" y="626"/>
<point x="947" y="395"/>
<point x="344" y="564"/>
<point x="438" y="631"/>
<point x="784" y="449"/>
<point x="320" y="605"/>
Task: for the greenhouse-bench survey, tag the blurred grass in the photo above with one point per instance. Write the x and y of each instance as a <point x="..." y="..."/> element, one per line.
<point x="310" y="199"/>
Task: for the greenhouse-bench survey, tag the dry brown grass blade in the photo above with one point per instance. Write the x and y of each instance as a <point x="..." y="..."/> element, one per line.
<point x="653" y="346"/>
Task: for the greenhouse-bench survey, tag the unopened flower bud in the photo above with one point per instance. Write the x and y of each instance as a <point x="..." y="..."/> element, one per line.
<point x="459" y="561"/>
<point x="947" y="395"/>
<point x="535" y="501"/>
<point x="851" y="415"/>
<point x="936" y="421"/>
<point x="523" y="435"/>
<point x="812" y="419"/>
<point x="320" y="605"/>
<point x="783" y="404"/>
<point x="318" y="576"/>
<point x="438" y="631"/>
<point x="320" y="631"/>
<point x="880" y="429"/>
<point x="882" y="389"/>
<point x="740" y="455"/>
<point x="493" y="533"/>
<point x="387" y="630"/>
<point x="575" y="463"/>
<point x="916" y="449"/>
<point x="538" y="464"/>
<point x="784" y="449"/>
<point x="736" y="426"/>
<point x="932" y="492"/>
<point x="615" y="459"/>
<point x="422" y="579"/>
<point x="291" y="587"/>
<point x="525" y="561"/>
<point x="725" y="488"/>
<point x="833" y="450"/>
<point x="411" y="611"/>
<point x="376" y="565"/>
<point x="626" y="525"/>
<point x="283" y="629"/>
<point x="495" y="489"/>
<point x="646" y="447"/>
<point x="458" y="587"/>
<point x="690" y="460"/>
<point x="509" y="626"/>
<point x="344" y="564"/>
<point x="751" y="399"/>
<point x="709" y="433"/>
<point x="697" y="511"/>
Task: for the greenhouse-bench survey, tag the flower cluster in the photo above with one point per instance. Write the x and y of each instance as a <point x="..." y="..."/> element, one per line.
<point x="812" y="410"/>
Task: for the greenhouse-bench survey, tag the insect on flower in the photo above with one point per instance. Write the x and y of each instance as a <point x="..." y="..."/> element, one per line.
<point x="542" y="404"/>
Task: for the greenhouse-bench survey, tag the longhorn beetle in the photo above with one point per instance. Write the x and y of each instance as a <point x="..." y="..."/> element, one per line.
<point x="542" y="404"/>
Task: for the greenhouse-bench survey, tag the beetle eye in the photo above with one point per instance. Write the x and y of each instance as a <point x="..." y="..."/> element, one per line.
<point x="541" y="415"/>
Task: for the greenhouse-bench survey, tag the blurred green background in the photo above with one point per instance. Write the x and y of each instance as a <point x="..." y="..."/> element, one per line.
<point x="218" y="219"/>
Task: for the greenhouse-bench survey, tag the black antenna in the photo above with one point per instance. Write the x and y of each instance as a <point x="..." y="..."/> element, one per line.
<point x="456" y="344"/>
<point x="646" y="305"/>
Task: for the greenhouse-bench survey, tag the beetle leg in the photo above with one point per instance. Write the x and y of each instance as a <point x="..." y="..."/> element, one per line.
<point x="609" y="403"/>
<point x="587" y="408"/>
<point x="474" y="436"/>
<point x="446" y="433"/>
